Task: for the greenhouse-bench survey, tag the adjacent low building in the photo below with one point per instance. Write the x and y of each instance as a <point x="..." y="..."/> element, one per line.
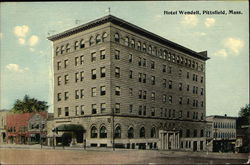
<point x="223" y="132"/>
<point x="3" y="114"/>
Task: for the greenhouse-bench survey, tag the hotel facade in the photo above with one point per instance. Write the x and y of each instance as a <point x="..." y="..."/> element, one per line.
<point x="118" y="85"/>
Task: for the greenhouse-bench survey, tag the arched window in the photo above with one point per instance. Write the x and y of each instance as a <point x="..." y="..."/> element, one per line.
<point x="131" y="132"/>
<point x="142" y="132"/>
<point x="98" y="38"/>
<point x="117" y="37"/>
<point x="57" y="50"/>
<point x="82" y="45"/>
<point x="160" y="53"/>
<point x="127" y="41"/>
<point x="103" y="132"/>
<point x="67" y="48"/>
<point x="144" y="47"/>
<point x="76" y="45"/>
<point x="133" y="43"/>
<point x="139" y="45"/>
<point x="118" y="132"/>
<point x="202" y="133"/>
<point x="153" y="133"/>
<point x="150" y="49"/>
<point x="173" y="57"/>
<point x="91" y="40"/>
<point x="93" y="132"/>
<point x="104" y="36"/>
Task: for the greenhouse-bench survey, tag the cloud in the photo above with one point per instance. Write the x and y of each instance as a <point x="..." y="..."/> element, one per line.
<point x="221" y="52"/>
<point x="21" y="41"/>
<point x="21" y="31"/>
<point x="16" y="68"/>
<point x="209" y="22"/>
<point x="190" y="20"/>
<point x="233" y="44"/>
<point x="33" y="40"/>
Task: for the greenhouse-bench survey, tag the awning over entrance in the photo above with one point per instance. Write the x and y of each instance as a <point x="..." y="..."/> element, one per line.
<point x="68" y="127"/>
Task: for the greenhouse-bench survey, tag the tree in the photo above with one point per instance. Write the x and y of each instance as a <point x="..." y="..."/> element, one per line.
<point x="244" y="114"/>
<point x="28" y="105"/>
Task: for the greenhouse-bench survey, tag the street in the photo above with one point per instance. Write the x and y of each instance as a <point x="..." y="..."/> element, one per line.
<point x="96" y="156"/>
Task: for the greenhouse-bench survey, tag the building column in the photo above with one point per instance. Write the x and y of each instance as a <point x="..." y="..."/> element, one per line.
<point x="178" y="140"/>
<point x="164" y="141"/>
<point x="174" y="143"/>
<point x="161" y="141"/>
<point x="167" y="142"/>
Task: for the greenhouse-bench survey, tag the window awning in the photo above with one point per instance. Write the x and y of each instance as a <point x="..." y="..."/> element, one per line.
<point x="68" y="127"/>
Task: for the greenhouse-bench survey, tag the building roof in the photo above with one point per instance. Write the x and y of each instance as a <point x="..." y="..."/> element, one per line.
<point x="132" y="27"/>
<point x="221" y="117"/>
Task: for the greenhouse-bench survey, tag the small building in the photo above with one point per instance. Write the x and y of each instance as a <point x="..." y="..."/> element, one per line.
<point x="3" y="114"/>
<point x="26" y="128"/>
<point x="243" y="135"/>
<point x="223" y="132"/>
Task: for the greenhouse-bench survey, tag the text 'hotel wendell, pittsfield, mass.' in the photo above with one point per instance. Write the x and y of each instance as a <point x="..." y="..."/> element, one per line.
<point x="203" y="12"/>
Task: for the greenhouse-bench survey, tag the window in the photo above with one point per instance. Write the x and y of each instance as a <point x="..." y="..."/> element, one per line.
<point x="153" y="133"/>
<point x="166" y="112"/>
<point x="103" y="72"/>
<point x="177" y="59"/>
<point x="195" y="133"/>
<point x="140" y="77"/>
<point x="188" y="114"/>
<point x="76" y="94"/>
<point x="76" y="110"/>
<point x="202" y="133"/>
<point x="201" y="79"/>
<point x="94" y="111"/>
<point x="187" y="87"/>
<point x="164" y="68"/>
<point x="130" y="108"/>
<point x="180" y="72"/>
<point x="59" y="96"/>
<point x="180" y="100"/>
<point x="76" y="61"/>
<point x="126" y="41"/>
<point x="144" y="47"/>
<point x="117" y="107"/>
<point x="152" y="65"/>
<point x="93" y="71"/>
<point x="91" y="40"/>
<point x="173" y="113"/>
<point x="153" y="96"/>
<point x="193" y="77"/>
<point x="82" y="45"/>
<point x="187" y="75"/>
<point x="188" y="102"/>
<point x="144" y="94"/>
<point x="169" y="113"/>
<point x="76" y="45"/>
<point x="81" y="59"/>
<point x="140" y="94"/>
<point x="117" y="37"/>
<point x="133" y="43"/>
<point x="66" y="111"/>
<point x="57" y="51"/>
<point x="169" y="56"/>
<point x="169" y="69"/>
<point x="140" y="110"/>
<point x="118" y="132"/>
<point x="202" y="91"/>
<point x="170" y="84"/>
<point x="82" y="109"/>
<point x="93" y="56"/>
<point x="76" y="76"/>
<point x="170" y="99"/>
<point x="66" y="95"/>
<point x="98" y="38"/>
<point x="59" y="65"/>
<point x="117" y="90"/>
<point x="130" y="58"/>
<point x="152" y="111"/>
<point x="202" y="104"/>
<point x="139" y="62"/>
<point x="102" y="54"/>
<point x="62" y="49"/>
<point x="103" y="107"/>
<point x="139" y="45"/>
<point x="81" y="75"/>
<point x="104" y="36"/>
<point x="117" y="72"/>
<point x="153" y="80"/>
<point x="81" y="93"/>
<point x="117" y="54"/>
<point x="59" y="80"/>
<point x="144" y="62"/>
<point x="188" y="133"/>
<point x="66" y="79"/>
<point x="150" y="49"/>
<point x="103" y="90"/>
<point x="180" y="86"/>
<point x="164" y="98"/>
<point x="173" y="57"/>
<point x="144" y="110"/>
<point x="59" y="111"/>
<point x="180" y="114"/>
<point x="142" y="132"/>
<point x="130" y="74"/>
<point x="131" y="132"/>
<point x="93" y="92"/>
<point x="93" y="132"/>
<point x="130" y="91"/>
<point x="164" y="84"/>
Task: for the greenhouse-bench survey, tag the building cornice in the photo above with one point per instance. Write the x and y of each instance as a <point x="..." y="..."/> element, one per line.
<point x="132" y="27"/>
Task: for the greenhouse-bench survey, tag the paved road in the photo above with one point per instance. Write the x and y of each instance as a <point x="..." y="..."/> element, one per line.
<point x="79" y="156"/>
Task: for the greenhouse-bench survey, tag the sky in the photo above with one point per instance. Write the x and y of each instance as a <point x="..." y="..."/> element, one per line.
<point x="26" y="54"/>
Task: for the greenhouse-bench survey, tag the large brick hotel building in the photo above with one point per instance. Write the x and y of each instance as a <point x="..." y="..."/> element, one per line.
<point x="128" y="87"/>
